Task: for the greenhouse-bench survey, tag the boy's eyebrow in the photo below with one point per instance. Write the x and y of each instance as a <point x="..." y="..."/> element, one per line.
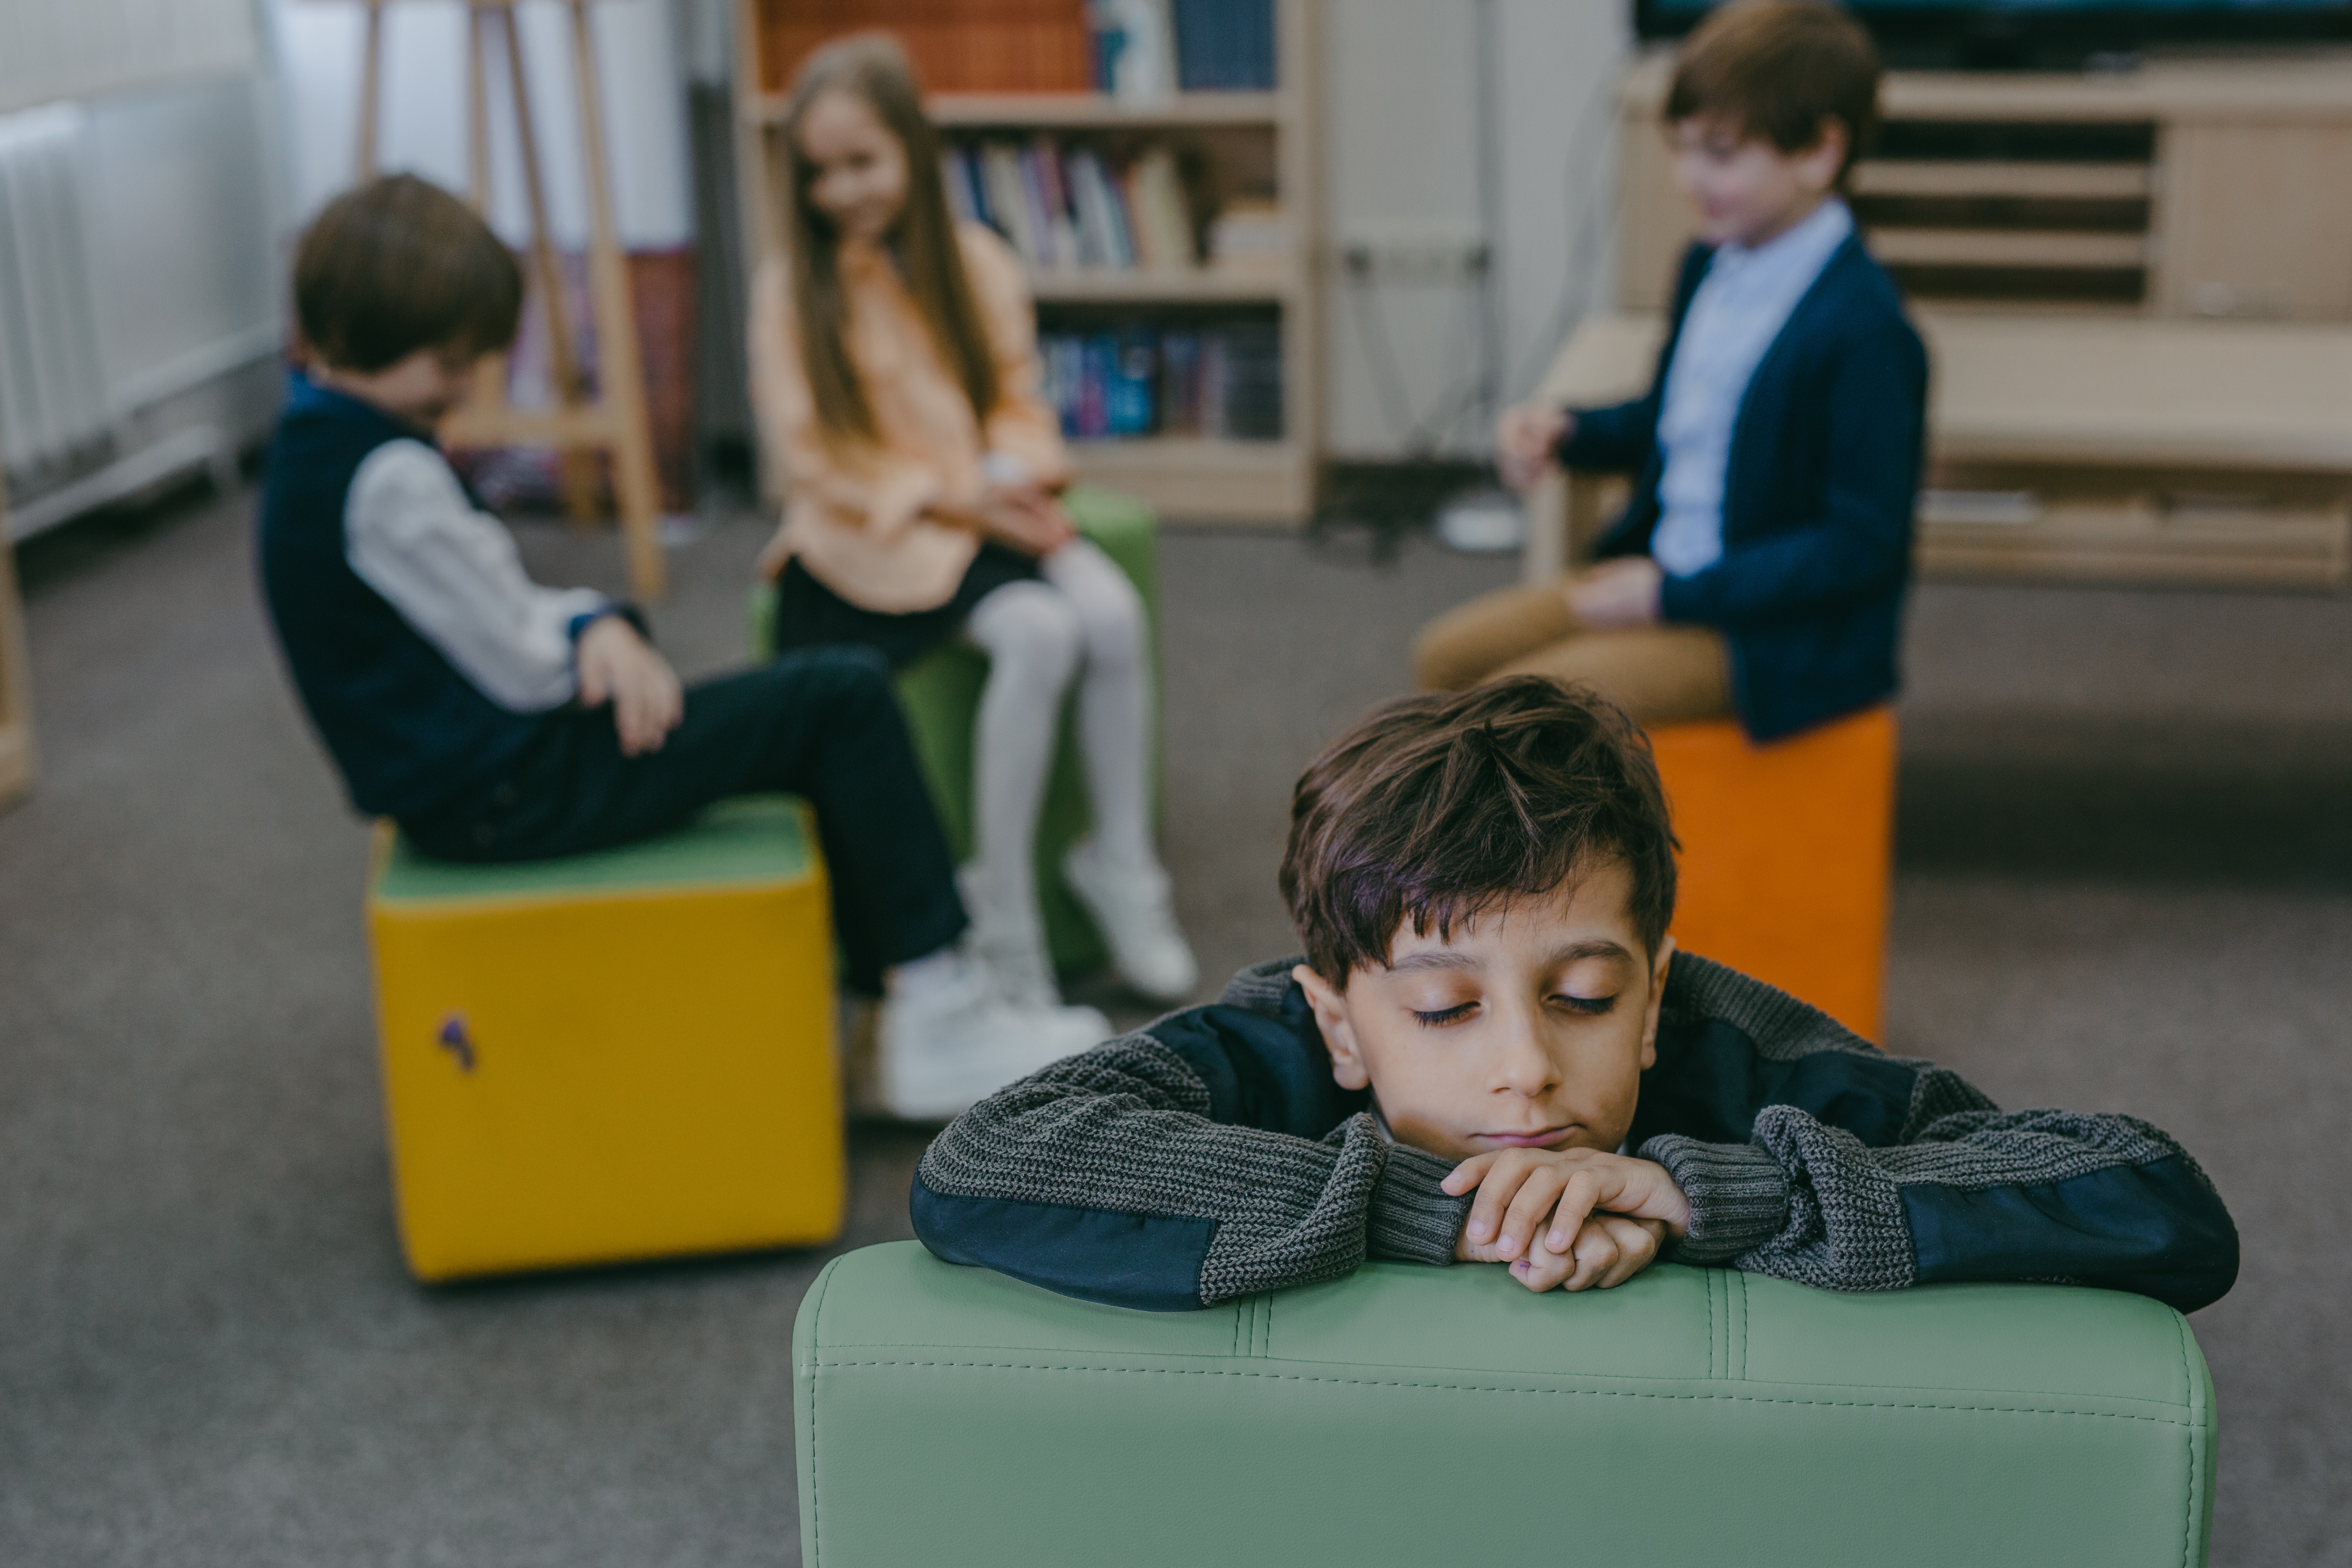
<point x="1449" y="958"/>
<point x="1435" y="958"/>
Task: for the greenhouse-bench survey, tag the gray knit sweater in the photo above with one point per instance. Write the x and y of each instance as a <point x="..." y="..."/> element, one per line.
<point x="1210" y="1155"/>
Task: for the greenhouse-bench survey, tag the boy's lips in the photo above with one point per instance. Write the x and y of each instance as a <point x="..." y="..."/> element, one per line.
<point x="1538" y="1140"/>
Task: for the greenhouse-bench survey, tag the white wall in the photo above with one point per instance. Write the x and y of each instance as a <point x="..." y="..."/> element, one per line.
<point x="1400" y="130"/>
<point x="424" y="129"/>
<point x="52" y="50"/>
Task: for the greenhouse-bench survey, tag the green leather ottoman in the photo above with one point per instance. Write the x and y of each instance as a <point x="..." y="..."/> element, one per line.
<point x="940" y="695"/>
<point x="1440" y="1416"/>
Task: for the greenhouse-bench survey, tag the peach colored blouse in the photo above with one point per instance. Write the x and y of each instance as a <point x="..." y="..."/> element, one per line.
<point x="854" y="509"/>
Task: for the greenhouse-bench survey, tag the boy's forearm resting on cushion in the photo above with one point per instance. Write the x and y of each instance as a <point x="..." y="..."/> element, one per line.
<point x="1104" y="1176"/>
<point x="1861" y="1171"/>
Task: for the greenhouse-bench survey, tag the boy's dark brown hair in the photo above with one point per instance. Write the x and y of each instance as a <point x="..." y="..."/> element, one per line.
<point x="1433" y="810"/>
<point x="398" y="265"/>
<point x="1779" y="69"/>
<point x="873" y="68"/>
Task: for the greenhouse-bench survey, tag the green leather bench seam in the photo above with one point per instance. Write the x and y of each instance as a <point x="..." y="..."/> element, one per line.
<point x="1571" y="1391"/>
<point x="1735" y="1288"/>
<point x="2188" y="1448"/>
<point x="816" y="1338"/>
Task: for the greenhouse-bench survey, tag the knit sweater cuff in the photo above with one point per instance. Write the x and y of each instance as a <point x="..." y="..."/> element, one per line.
<point x="1411" y="1216"/>
<point x="1738" y="1196"/>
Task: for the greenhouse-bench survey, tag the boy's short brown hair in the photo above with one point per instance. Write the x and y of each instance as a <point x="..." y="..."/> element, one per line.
<point x="398" y="265"/>
<point x="1779" y="69"/>
<point x="1435" y="808"/>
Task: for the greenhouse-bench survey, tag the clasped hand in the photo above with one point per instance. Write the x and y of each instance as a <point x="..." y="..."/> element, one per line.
<point x="1023" y="516"/>
<point x="617" y="666"/>
<point x="1571" y="1217"/>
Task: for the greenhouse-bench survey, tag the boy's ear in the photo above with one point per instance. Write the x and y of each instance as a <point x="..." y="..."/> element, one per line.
<point x="1819" y="163"/>
<point x="1330" y="1006"/>
<point x="1658" y="967"/>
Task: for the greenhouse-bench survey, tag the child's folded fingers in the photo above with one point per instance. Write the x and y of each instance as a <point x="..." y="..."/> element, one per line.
<point x="1524" y="1219"/>
<point x="1498" y="1184"/>
<point x="1595" y="1254"/>
<point x="1637" y="1247"/>
<point x="1579" y="1194"/>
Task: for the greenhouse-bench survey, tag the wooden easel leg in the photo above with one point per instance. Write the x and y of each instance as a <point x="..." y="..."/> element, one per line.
<point x="578" y="468"/>
<point x="623" y="389"/>
<point x="371" y="90"/>
<point x="477" y="115"/>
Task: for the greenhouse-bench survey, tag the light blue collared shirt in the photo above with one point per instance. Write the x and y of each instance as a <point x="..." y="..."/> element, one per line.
<point x="1740" y="306"/>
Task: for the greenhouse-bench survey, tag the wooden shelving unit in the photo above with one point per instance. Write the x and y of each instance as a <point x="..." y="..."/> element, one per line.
<point x="2137" y="289"/>
<point x="1259" y="144"/>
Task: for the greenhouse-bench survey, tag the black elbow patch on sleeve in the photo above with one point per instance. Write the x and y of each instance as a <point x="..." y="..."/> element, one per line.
<point x="2157" y="1229"/>
<point x="1710" y="1081"/>
<point x="1151" y="1262"/>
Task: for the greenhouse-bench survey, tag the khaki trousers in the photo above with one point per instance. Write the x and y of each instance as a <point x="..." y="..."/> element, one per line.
<point x="1660" y="675"/>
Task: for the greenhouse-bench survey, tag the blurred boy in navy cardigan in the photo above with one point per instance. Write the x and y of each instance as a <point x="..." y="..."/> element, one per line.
<point x="1760" y="567"/>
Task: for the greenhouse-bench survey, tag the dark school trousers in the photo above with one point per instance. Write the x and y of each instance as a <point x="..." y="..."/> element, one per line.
<point x="822" y="724"/>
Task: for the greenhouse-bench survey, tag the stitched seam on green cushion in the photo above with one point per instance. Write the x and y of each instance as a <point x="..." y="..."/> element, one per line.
<point x="2188" y="1450"/>
<point x="1710" y="1323"/>
<point x="1505" y="1388"/>
<point x="1736" y="1283"/>
<point x="816" y="1488"/>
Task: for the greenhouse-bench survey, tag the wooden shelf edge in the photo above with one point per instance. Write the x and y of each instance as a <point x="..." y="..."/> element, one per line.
<point x="1081" y="110"/>
<point x="1941" y="560"/>
<point x="1962" y="178"/>
<point x="1207" y="284"/>
<point x="2008" y="248"/>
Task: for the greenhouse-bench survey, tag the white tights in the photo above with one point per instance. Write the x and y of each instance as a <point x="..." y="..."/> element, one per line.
<point x="1037" y="634"/>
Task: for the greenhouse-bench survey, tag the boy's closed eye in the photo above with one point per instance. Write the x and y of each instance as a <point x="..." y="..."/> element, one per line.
<point x="1438" y="1017"/>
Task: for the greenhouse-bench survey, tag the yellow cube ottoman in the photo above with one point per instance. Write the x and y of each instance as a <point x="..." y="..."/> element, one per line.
<point x="621" y="1054"/>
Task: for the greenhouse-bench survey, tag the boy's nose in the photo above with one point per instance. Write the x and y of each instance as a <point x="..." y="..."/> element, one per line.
<point x="1524" y="1066"/>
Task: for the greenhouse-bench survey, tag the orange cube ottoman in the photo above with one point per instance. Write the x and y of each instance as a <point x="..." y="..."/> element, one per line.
<point x="1788" y="855"/>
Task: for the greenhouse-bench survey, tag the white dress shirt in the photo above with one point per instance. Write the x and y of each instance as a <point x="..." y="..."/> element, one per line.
<point x="453" y="573"/>
<point x="1741" y="305"/>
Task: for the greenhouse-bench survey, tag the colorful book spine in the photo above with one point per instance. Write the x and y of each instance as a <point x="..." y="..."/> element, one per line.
<point x="1039" y="213"/>
<point x="1008" y="204"/>
<point x="1223" y="381"/>
<point x="1224" y="46"/>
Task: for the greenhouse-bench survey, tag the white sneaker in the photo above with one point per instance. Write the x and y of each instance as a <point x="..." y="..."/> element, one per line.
<point x="1010" y="945"/>
<point x="1137" y="918"/>
<point x="947" y="1047"/>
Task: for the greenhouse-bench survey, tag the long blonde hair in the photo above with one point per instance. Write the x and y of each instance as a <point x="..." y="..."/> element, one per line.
<point x="873" y="68"/>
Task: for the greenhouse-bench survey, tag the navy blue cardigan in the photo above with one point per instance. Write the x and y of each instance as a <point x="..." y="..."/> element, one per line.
<point x="407" y="730"/>
<point x="1818" y="503"/>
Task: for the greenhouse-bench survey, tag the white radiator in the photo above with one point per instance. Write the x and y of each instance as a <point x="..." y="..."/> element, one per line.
<point x="140" y="292"/>
<point x="54" y="412"/>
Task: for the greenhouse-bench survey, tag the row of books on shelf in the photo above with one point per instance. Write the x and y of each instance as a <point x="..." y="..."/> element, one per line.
<point x="1074" y="208"/>
<point x="1143" y="49"/>
<point x="1222" y="382"/>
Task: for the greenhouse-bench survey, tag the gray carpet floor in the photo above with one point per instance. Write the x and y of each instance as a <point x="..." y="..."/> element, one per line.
<point x="2125" y="883"/>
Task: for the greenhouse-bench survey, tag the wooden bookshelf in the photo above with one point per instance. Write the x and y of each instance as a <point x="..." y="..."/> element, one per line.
<point x="1272" y="133"/>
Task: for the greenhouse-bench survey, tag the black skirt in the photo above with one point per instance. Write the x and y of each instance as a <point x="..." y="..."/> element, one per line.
<point x="809" y="614"/>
